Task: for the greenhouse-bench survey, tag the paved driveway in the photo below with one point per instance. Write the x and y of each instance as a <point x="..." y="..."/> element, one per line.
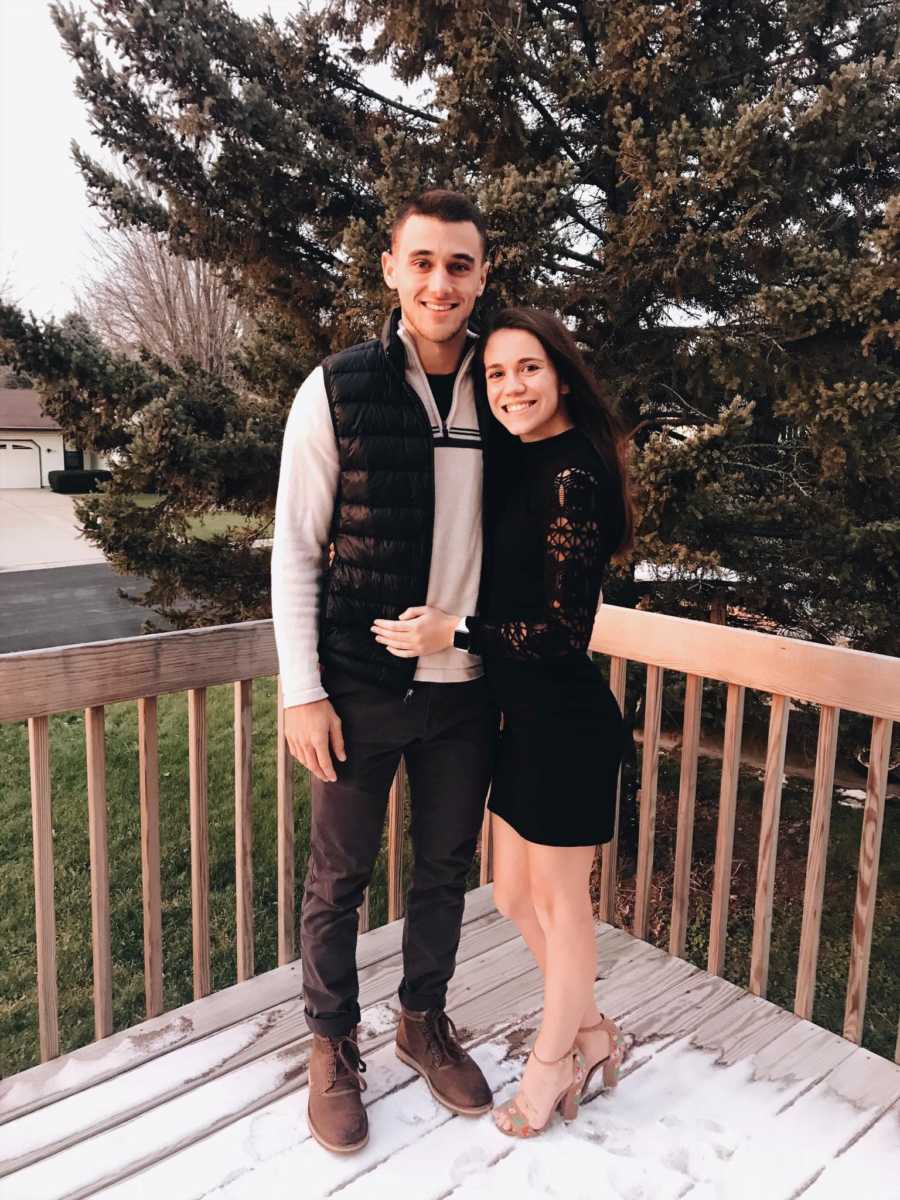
<point x="38" y="529"/>
<point x="72" y="604"/>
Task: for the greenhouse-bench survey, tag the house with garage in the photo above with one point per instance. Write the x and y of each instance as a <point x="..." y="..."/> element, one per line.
<point x="32" y="443"/>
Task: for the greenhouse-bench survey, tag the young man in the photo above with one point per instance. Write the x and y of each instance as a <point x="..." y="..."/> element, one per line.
<point x="379" y="511"/>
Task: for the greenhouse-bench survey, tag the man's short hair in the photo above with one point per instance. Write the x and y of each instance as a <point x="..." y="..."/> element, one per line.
<point x="446" y="206"/>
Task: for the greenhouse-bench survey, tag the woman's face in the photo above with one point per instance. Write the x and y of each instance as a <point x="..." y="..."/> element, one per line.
<point x="523" y="386"/>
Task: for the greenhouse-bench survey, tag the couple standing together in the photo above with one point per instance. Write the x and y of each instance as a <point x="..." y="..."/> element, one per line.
<point x="446" y="508"/>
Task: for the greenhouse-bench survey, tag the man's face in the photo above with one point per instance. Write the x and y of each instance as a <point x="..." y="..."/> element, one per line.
<point x="437" y="269"/>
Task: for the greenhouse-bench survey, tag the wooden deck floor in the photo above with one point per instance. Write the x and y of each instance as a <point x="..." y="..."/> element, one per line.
<point x="724" y="1096"/>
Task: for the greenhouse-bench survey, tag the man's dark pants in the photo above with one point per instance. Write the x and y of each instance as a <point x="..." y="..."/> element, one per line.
<point x="447" y="734"/>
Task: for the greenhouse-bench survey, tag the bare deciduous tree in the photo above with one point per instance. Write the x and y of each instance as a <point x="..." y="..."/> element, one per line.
<point x="139" y="294"/>
<point x="7" y="292"/>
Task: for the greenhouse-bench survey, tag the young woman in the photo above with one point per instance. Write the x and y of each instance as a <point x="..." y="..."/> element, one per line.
<point x="558" y="510"/>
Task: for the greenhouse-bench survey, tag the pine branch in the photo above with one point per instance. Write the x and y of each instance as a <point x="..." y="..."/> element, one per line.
<point x="548" y="119"/>
<point x="352" y="84"/>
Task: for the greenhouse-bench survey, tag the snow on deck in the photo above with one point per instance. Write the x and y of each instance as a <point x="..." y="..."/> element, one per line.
<point x="724" y="1096"/>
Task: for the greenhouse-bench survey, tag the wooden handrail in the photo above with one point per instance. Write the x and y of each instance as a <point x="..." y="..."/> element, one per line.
<point x="853" y="679"/>
<point x="37" y="684"/>
<point x="41" y="682"/>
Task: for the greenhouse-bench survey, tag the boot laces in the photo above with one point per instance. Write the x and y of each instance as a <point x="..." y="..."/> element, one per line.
<point x="442" y="1037"/>
<point x="346" y="1052"/>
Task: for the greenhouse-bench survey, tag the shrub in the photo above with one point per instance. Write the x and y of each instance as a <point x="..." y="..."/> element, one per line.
<point x="76" y="482"/>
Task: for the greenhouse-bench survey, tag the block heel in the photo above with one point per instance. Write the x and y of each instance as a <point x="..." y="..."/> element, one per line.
<point x="611" y="1065"/>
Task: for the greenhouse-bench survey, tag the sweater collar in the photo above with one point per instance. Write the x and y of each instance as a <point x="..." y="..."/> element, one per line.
<point x="393" y="343"/>
<point x="548" y="448"/>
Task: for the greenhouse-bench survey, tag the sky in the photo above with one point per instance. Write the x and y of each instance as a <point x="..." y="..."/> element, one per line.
<point x="45" y="218"/>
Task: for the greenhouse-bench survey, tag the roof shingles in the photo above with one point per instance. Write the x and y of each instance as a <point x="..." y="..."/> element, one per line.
<point x="20" y="408"/>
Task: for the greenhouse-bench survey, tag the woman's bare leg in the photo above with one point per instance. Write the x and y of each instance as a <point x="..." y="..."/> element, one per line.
<point x="560" y="890"/>
<point x="512" y="892"/>
<point x="545" y="891"/>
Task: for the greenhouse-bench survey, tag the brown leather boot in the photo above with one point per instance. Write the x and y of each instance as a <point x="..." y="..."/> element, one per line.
<point x="427" y="1042"/>
<point x="336" y="1117"/>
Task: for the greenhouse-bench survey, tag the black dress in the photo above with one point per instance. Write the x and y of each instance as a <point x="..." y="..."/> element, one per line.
<point x="556" y="517"/>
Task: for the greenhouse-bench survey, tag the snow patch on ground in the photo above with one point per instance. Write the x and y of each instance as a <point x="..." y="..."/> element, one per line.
<point x="851" y="797"/>
<point x="380" y="1018"/>
<point x="680" y="1125"/>
<point x="97" y="1105"/>
<point x="80" y="1068"/>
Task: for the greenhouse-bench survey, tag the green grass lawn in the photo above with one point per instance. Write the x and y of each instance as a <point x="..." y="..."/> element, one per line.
<point x="208" y="524"/>
<point x="18" y="1017"/>
<point x="18" y="1010"/>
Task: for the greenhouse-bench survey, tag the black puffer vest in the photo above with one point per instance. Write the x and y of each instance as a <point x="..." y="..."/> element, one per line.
<point x="382" y="527"/>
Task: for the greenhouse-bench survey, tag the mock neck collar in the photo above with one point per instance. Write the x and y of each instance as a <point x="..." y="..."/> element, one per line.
<point x="394" y="335"/>
<point x="549" y="446"/>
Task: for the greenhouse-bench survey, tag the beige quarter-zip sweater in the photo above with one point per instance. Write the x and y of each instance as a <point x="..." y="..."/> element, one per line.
<point x="307" y="490"/>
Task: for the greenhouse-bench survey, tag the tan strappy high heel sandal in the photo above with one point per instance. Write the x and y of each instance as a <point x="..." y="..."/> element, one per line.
<point x="566" y="1102"/>
<point x="612" y="1063"/>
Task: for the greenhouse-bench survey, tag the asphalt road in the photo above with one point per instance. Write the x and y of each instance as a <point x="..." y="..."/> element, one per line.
<point x="61" y="605"/>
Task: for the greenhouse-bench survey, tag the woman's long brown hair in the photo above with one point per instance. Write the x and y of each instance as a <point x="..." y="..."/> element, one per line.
<point x="590" y="406"/>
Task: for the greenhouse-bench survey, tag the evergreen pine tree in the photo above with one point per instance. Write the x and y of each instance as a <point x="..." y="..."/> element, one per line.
<point x="709" y="192"/>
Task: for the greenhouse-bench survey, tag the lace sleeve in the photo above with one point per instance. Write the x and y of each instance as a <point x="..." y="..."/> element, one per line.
<point x="573" y="567"/>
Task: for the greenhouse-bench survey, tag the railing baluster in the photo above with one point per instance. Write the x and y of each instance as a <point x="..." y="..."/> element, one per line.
<point x="95" y="748"/>
<point x="687" y="796"/>
<point x="45" y="913"/>
<point x="285" y="801"/>
<point x="486" y="849"/>
<point x="396" y="798"/>
<point x="148" y="757"/>
<point x="731" y="767"/>
<point x="768" y="844"/>
<point x="363" y="926"/>
<point x="867" y="878"/>
<point x="243" y="826"/>
<point x="820" y="823"/>
<point x="197" y="757"/>
<point x="609" y="854"/>
<point x="486" y="865"/>
<point x="649" y="777"/>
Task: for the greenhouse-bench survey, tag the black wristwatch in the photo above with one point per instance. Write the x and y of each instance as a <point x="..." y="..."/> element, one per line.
<point x="462" y="638"/>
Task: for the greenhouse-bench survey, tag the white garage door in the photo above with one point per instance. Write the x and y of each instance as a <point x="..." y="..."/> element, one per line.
<point x="19" y="465"/>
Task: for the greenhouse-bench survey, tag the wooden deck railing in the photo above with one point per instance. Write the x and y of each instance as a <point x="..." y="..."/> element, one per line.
<point x="36" y="684"/>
